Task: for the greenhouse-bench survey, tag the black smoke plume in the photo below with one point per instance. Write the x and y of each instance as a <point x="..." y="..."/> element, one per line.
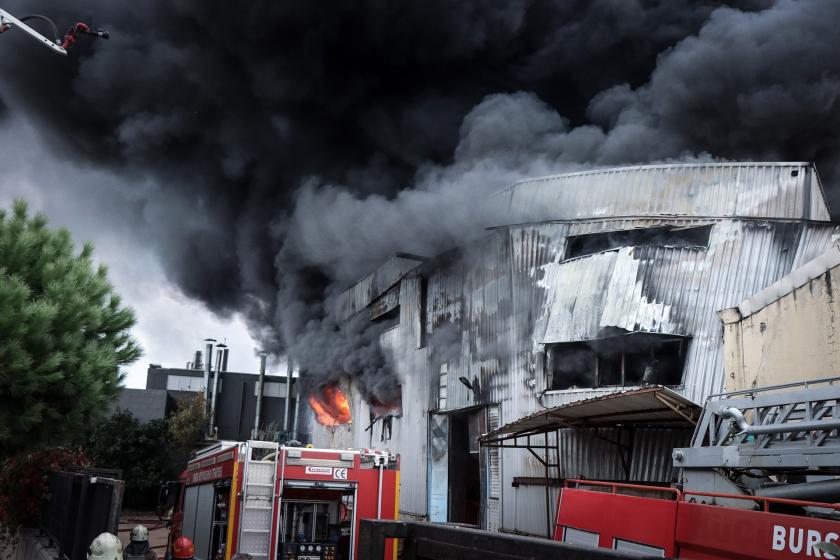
<point x="292" y="146"/>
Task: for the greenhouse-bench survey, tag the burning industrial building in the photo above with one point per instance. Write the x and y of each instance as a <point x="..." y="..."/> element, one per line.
<point x="590" y="284"/>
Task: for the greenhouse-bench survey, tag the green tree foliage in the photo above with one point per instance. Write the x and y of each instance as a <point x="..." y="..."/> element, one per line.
<point x="63" y="335"/>
<point x="149" y="453"/>
<point x="186" y="425"/>
<point x="142" y="451"/>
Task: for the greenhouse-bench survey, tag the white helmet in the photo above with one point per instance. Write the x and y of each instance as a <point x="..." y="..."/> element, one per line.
<point x="105" y="547"/>
<point x="140" y="534"/>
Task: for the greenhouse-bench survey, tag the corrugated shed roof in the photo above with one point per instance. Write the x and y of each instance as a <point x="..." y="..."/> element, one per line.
<point x="648" y="406"/>
<point x="796" y="279"/>
<point x="747" y="190"/>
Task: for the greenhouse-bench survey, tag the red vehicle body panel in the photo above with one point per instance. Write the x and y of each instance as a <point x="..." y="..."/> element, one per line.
<point x="713" y="532"/>
<point x="695" y="531"/>
<point x="631" y="518"/>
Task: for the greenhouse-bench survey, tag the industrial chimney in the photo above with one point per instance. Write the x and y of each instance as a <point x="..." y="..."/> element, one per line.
<point x="207" y="365"/>
<point x="259" y="395"/>
<point x="197" y="364"/>
<point x="220" y="353"/>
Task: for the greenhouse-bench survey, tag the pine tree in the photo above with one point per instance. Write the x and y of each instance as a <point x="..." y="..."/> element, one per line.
<point x="63" y="335"/>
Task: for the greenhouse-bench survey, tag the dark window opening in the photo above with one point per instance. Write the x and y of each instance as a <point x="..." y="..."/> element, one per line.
<point x="590" y="243"/>
<point x="389" y="319"/>
<point x="386" y="308"/>
<point x="464" y="469"/>
<point x="621" y="361"/>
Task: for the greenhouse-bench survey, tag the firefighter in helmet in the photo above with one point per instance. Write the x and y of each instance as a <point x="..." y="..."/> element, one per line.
<point x="105" y="547"/>
<point x="183" y="549"/>
<point x="138" y="548"/>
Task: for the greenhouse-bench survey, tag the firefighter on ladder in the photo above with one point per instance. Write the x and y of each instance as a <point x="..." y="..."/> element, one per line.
<point x="138" y="548"/>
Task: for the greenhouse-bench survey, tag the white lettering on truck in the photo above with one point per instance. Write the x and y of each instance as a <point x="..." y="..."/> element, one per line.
<point x="798" y="540"/>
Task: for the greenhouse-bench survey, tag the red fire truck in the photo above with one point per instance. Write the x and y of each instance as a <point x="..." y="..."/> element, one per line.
<point x="277" y="502"/>
<point x="760" y="481"/>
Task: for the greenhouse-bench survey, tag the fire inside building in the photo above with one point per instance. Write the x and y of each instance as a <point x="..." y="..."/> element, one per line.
<point x="594" y="283"/>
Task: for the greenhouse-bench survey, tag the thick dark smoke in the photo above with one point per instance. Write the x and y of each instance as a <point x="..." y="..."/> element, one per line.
<point x="292" y="146"/>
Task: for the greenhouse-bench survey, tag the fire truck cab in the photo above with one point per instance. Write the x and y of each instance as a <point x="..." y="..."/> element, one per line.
<point x="281" y="503"/>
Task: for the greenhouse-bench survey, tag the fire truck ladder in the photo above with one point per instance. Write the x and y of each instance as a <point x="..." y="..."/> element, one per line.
<point x="258" y="498"/>
<point x="798" y="428"/>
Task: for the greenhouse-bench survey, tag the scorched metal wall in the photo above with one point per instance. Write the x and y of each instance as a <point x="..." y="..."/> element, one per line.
<point x="487" y="311"/>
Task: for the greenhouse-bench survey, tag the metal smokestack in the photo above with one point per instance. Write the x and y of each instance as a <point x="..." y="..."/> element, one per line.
<point x="208" y="352"/>
<point x="297" y="409"/>
<point x="259" y="395"/>
<point x="197" y="360"/>
<point x="290" y="365"/>
<point x="219" y="353"/>
<point x="225" y="359"/>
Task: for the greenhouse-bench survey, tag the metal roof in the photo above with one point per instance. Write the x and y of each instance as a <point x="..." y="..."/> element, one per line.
<point x="789" y="190"/>
<point x="654" y="405"/>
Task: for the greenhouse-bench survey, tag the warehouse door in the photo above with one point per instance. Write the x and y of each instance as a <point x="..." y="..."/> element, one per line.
<point x="438" y="467"/>
<point x="465" y="467"/>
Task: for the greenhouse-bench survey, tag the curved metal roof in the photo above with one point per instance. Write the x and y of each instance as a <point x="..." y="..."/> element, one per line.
<point x="785" y="190"/>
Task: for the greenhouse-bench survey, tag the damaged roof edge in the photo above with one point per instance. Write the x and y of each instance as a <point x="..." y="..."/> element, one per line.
<point x="776" y="291"/>
<point x="627" y="168"/>
<point x="769" y="190"/>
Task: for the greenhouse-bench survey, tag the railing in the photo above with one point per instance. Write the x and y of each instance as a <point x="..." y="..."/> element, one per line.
<point x="436" y="541"/>
<point x="614" y="486"/>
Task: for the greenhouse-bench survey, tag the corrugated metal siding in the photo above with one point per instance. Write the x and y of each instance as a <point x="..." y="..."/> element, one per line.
<point x="760" y="190"/>
<point x="500" y="293"/>
<point x="363" y="292"/>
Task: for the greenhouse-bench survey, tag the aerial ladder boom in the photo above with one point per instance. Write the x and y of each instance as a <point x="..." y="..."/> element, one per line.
<point x="58" y="45"/>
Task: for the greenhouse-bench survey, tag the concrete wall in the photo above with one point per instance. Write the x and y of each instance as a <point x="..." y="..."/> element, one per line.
<point x="791" y="339"/>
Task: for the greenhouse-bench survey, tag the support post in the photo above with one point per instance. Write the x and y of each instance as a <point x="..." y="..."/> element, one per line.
<point x="547" y="494"/>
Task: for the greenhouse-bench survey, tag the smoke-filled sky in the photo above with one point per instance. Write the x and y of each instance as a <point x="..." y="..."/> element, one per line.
<point x="235" y="164"/>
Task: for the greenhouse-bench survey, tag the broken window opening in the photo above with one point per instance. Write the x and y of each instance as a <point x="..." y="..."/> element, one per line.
<point x="389" y="319"/>
<point x="386" y="308"/>
<point x="382" y="415"/>
<point x="591" y="243"/>
<point x="622" y="361"/>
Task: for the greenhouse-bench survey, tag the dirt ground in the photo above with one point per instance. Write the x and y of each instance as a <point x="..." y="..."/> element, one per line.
<point x="158" y="533"/>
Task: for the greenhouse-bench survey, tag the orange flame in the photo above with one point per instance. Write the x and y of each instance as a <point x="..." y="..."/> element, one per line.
<point x="331" y="407"/>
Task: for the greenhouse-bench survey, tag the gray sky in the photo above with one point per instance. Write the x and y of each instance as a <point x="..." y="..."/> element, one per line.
<point x="108" y="210"/>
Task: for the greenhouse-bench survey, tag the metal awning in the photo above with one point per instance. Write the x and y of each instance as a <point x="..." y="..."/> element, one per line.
<point x="652" y="406"/>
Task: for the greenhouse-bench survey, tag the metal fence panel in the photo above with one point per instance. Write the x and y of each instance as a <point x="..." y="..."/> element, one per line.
<point x="78" y="508"/>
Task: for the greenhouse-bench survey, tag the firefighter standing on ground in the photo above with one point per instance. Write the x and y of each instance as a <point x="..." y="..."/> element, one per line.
<point x="183" y="549"/>
<point x="138" y="548"/>
<point x="105" y="547"/>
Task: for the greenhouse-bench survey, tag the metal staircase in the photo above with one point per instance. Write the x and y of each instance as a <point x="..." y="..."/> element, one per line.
<point x="259" y="501"/>
<point x="785" y="427"/>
